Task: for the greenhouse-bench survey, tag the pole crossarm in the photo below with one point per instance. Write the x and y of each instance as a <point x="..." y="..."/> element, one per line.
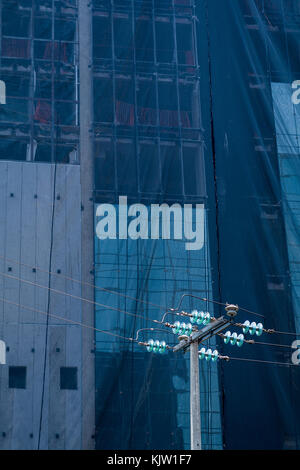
<point x="207" y="332"/>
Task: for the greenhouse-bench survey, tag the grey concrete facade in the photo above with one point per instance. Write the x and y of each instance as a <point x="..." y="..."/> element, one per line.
<point x="40" y="217"/>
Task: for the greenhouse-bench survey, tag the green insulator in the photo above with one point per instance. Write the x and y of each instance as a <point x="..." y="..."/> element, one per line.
<point x="233" y="339"/>
<point x="162" y="347"/>
<point x="240" y="340"/>
<point x="182" y="328"/>
<point x="246" y="327"/>
<point x="156" y="346"/>
<point x="252" y="328"/>
<point x="202" y="353"/>
<point x="259" y="329"/>
<point x="176" y="328"/>
<point x="195" y="316"/>
<point x="206" y="318"/>
<point x="215" y="356"/>
<point x="189" y="329"/>
<point x="200" y="318"/>
<point x="150" y="345"/>
<point x="227" y="337"/>
<point x="208" y="354"/>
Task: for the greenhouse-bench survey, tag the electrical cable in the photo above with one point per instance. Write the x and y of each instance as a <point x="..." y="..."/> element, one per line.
<point x="286" y="364"/>
<point x="77" y="297"/>
<point x="59" y="317"/>
<point x="80" y="282"/>
<point x="170" y="310"/>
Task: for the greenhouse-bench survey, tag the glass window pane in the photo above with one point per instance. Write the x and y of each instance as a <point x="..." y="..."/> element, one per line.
<point x="185" y="48"/>
<point x="189" y="105"/>
<point x="42" y="28"/>
<point x="168" y="106"/>
<point x="15" y="24"/>
<point x="102" y="37"/>
<point x="144" y="40"/>
<point x="194" y="173"/>
<point x="126" y="167"/>
<point x="171" y="168"/>
<point x="17" y="377"/>
<point x="64" y="30"/>
<point x="104" y="165"/>
<point x="146" y="101"/>
<point x="149" y="167"/>
<point x="123" y="38"/>
<point x="164" y="40"/>
<point x="125" y="102"/>
<point x="103" y="100"/>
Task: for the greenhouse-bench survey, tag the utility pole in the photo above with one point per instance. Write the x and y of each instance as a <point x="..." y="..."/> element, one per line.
<point x="195" y="415"/>
<point x="190" y="337"/>
<point x="192" y="342"/>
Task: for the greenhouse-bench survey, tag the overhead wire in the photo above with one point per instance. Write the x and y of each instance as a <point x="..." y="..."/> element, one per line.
<point x="169" y="311"/>
<point x="286" y="364"/>
<point x="68" y="320"/>
<point x="57" y="291"/>
<point x="104" y="289"/>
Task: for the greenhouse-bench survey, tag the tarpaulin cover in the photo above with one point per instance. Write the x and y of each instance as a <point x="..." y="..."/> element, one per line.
<point x="249" y="128"/>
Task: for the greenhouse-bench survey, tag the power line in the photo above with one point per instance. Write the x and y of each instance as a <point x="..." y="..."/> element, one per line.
<point x="170" y="310"/>
<point x="273" y="344"/>
<point x="59" y="317"/>
<point x="78" y="297"/>
<point x="286" y="364"/>
<point x="81" y="282"/>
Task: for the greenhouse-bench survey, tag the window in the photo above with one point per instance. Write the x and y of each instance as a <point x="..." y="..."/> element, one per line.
<point x="16" y="85"/>
<point x="193" y="164"/>
<point x="68" y="378"/>
<point x="65" y="153"/>
<point x="42" y="28"/>
<point x="65" y="30"/>
<point x="64" y="90"/>
<point x="126" y="167"/>
<point x="104" y="165"/>
<point x="189" y="105"/>
<point x="168" y="106"/>
<point x="65" y="114"/>
<point x="149" y="168"/>
<point x="43" y="89"/>
<point x="146" y="101"/>
<point x="103" y="100"/>
<point x="17" y="48"/>
<point x="43" y="152"/>
<point x="125" y="102"/>
<point x="171" y="168"/>
<point x="185" y="49"/>
<point x="144" y="40"/>
<point x="164" y="40"/>
<point x="17" y="377"/>
<point x="102" y="37"/>
<point x="15" y="24"/>
<point x="123" y="38"/>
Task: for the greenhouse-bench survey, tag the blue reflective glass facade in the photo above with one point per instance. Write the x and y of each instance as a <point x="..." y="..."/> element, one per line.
<point x="149" y="145"/>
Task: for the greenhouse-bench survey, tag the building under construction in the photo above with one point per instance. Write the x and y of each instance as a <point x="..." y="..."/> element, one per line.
<point x="180" y="102"/>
